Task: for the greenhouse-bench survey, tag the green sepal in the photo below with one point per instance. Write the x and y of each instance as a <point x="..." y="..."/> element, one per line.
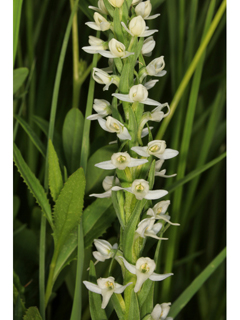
<point x="116" y="197"/>
<point x="54" y="172"/>
<point x="147" y="317"/>
<point x="132" y="128"/>
<point x="145" y="295"/>
<point x="151" y="176"/>
<point x="33" y="184"/>
<point x="68" y="208"/>
<point x="97" y="313"/>
<point x="32" y="314"/>
<point x="109" y="7"/>
<point x="124" y="12"/>
<point x="134" y="312"/>
<point x="119" y="305"/>
<point x="119" y="65"/>
<point x="19" y="76"/>
<point x="117" y="25"/>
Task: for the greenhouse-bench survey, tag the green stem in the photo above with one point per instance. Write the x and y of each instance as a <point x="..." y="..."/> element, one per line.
<point x="50" y="277"/>
<point x="42" y="266"/>
<point x="191" y="69"/>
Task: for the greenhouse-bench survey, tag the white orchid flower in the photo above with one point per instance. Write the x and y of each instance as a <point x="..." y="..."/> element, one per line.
<point x="116" y="3"/>
<point x="113" y="125"/>
<point x="137" y="27"/>
<point x="101" y="7"/>
<point x="148" y="228"/>
<point x="100" y="23"/>
<point x="105" y="250"/>
<point x="120" y="160"/>
<point x="161" y="208"/>
<point x="161" y="173"/>
<point x="144" y="9"/>
<point x="148" y="46"/>
<point x="161" y="311"/>
<point x="107" y="186"/>
<point x="155" y="67"/>
<point x="156" y="148"/>
<point x="102" y="107"/>
<point x="144" y="269"/>
<point x="103" y="77"/>
<point x="154" y="216"/>
<point x="96" y="44"/>
<point x="106" y="287"/>
<point x="137" y="93"/>
<point x="117" y="50"/>
<point x="140" y="188"/>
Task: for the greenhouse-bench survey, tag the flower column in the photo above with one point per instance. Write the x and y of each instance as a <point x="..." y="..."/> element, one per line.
<point x="131" y="187"/>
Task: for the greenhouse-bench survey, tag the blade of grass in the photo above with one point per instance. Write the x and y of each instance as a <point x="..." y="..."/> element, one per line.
<point x="191" y="69"/>
<point x="17" y="8"/>
<point x="184" y="298"/>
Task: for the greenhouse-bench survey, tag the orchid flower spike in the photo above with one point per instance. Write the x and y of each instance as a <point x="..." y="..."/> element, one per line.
<point x="117" y="50"/>
<point x="107" y="186"/>
<point x="137" y="27"/>
<point x="147" y="228"/>
<point x="156" y="148"/>
<point x="96" y="44"/>
<point x="102" y="107"/>
<point x="106" y="287"/>
<point x="144" y="9"/>
<point x="144" y="269"/>
<point x="120" y="160"/>
<point x="105" y="250"/>
<point x="103" y="77"/>
<point x="161" y="311"/>
<point x="140" y="188"/>
<point x="113" y="125"/>
<point x="100" y="23"/>
<point x="137" y="93"/>
<point x="148" y="46"/>
<point x="154" y="216"/>
<point x="161" y="173"/>
<point x="101" y="7"/>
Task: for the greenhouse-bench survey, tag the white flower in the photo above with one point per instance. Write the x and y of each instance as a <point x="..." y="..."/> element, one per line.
<point x="105" y="250"/>
<point x="161" y="173"/>
<point x="120" y="160"/>
<point x="117" y="50"/>
<point x="161" y="311"/>
<point x="144" y="269"/>
<point x="148" y="46"/>
<point x="96" y="44"/>
<point x="150" y="84"/>
<point x="107" y="186"/>
<point x="113" y="125"/>
<point x="100" y="23"/>
<point x="137" y="27"/>
<point x="162" y="216"/>
<point x="144" y="9"/>
<point x="161" y="208"/>
<point x="155" y="67"/>
<point x="148" y="228"/>
<point x="106" y="287"/>
<point x="101" y="7"/>
<point x="102" y="107"/>
<point x="137" y="93"/>
<point x="156" y="148"/>
<point x="140" y="188"/>
<point x="103" y="77"/>
<point x="116" y="3"/>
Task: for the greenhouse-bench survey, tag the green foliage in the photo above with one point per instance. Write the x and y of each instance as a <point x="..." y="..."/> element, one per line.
<point x="54" y="173"/>
<point x="19" y="76"/>
<point x="32" y="314"/>
<point x="17" y="8"/>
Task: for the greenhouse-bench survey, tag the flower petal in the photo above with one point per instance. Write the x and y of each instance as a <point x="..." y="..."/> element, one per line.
<point x="92" y="287"/>
<point x="106" y="54"/>
<point x="128" y="265"/>
<point x="142" y="151"/>
<point x="154" y="16"/>
<point x="106" y="294"/>
<point x="93" y="25"/>
<point x="168" y="154"/>
<point x="159" y="277"/>
<point x="120" y="289"/>
<point x="124" y="135"/>
<point x="106" y="165"/>
<point x="136" y="162"/>
<point x="106" y="194"/>
<point x="122" y="97"/>
<point x="151" y="102"/>
<point x="150" y="84"/>
<point x="147" y="33"/>
<point x="155" y="194"/>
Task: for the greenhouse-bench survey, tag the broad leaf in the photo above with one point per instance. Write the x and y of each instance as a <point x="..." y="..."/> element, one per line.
<point x="32" y="314"/>
<point x="54" y="173"/>
<point x="72" y="138"/>
<point x="68" y="208"/>
<point x="19" y="76"/>
<point x="33" y="183"/>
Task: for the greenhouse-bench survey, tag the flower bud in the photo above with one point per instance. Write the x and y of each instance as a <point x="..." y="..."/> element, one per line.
<point x="138" y="93"/>
<point x="144" y="9"/>
<point x="161" y="207"/>
<point x="101" y="106"/>
<point x="116" y="3"/>
<point x="108" y="182"/>
<point x="137" y="26"/>
<point x="100" y="76"/>
<point x="148" y="46"/>
<point x="116" y="48"/>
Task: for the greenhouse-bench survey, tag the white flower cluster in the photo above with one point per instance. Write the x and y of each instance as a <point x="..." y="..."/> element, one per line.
<point x="133" y="160"/>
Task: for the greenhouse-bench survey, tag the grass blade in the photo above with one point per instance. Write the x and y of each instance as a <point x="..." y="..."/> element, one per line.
<point x="17" y="8"/>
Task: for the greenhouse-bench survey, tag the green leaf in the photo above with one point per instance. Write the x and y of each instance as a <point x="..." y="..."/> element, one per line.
<point x="32" y="314"/>
<point x="19" y="76"/>
<point x="119" y="305"/>
<point x="109" y="8"/>
<point x="32" y="135"/>
<point x="17" y="8"/>
<point x="68" y="207"/>
<point x="33" y="183"/>
<point x="55" y="175"/>
<point x="97" y="313"/>
<point x="72" y="138"/>
<point x="95" y="176"/>
<point x="184" y="298"/>
<point x="134" y="312"/>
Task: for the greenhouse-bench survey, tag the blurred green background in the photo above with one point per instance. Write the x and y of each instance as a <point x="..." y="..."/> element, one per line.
<point x="197" y="129"/>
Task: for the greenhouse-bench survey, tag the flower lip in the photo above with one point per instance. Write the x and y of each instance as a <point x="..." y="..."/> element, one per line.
<point x="138" y="93"/>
